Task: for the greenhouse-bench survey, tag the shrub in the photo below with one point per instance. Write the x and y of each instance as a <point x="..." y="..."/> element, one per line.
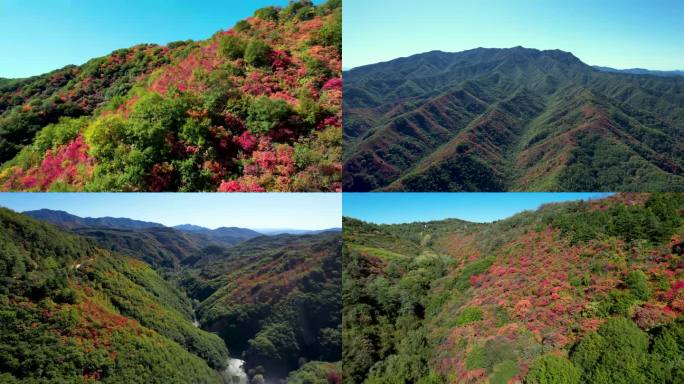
<point x="503" y="372"/>
<point x="637" y="282"/>
<point x="105" y="135"/>
<point x="468" y="315"/>
<point x="267" y="13"/>
<point x="265" y="114"/>
<point x="258" y="53"/>
<point x="58" y="134"/>
<point x="552" y="369"/>
<point x="475" y="358"/>
<point x="617" y="303"/>
<point x="232" y="47"/>
<point x="242" y="26"/>
<point x="309" y="110"/>
<point x="462" y="282"/>
<point x="329" y="6"/>
<point x="300" y="10"/>
<point x="331" y="33"/>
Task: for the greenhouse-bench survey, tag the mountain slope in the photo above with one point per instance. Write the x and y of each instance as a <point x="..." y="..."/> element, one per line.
<point x="510" y="119"/>
<point x="254" y="108"/>
<point x="572" y="293"/>
<point x="103" y="317"/>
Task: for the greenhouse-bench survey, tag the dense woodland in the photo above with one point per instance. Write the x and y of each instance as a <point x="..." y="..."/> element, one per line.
<point x="581" y="292"/>
<point x="254" y="108"/>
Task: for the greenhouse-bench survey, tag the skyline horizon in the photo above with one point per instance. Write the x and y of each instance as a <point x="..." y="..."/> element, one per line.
<point x="170" y="226"/>
<point x="474" y="207"/>
<point x="292" y="211"/>
<point x="63" y="33"/>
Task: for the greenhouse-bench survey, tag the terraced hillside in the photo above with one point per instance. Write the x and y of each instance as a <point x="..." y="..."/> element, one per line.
<point x="510" y="120"/>
<point x="252" y="108"/>
<point x="581" y="292"/>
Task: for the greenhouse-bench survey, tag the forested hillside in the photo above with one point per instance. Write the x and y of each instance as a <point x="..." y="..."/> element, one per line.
<point x="581" y="292"/>
<point x="274" y="300"/>
<point x="510" y="120"/>
<point x="73" y="312"/>
<point x="253" y="108"/>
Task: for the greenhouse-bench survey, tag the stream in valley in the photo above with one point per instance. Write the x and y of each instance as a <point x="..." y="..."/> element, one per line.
<point x="235" y="371"/>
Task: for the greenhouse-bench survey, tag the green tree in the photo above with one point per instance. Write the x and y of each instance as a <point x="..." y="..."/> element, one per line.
<point x="552" y="369"/>
<point x="638" y="284"/>
<point x="265" y="114"/>
<point x="267" y="13"/>
<point x="331" y="33"/>
<point x="232" y="47"/>
<point x="258" y="53"/>
<point x="616" y="354"/>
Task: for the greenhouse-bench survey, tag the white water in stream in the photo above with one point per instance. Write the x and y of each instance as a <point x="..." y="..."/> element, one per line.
<point x="235" y="371"/>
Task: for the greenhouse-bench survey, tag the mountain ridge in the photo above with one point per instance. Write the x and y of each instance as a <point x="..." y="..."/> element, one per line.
<point x="498" y="112"/>
<point x="69" y="220"/>
<point x="641" y="71"/>
<point x="66" y="219"/>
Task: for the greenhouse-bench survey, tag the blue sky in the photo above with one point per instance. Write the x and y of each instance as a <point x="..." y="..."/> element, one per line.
<point x="615" y="33"/>
<point x="37" y="36"/>
<point x="395" y="208"/>
<point x="212" y="210"/>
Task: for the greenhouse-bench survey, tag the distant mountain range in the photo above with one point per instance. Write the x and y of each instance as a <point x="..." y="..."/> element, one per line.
<point x="283" y="231"/>
<point x="65" y="219"/>
<point x="224" y="236"/>
<point x="640" y="71"/>
<point x="513" y="119"/>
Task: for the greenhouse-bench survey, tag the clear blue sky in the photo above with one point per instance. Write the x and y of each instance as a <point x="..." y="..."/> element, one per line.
<point x="37" y="36"/>
<point x="211" y="210"/>
<point x="396" y="208"/>
<point x="615" y="33"/>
